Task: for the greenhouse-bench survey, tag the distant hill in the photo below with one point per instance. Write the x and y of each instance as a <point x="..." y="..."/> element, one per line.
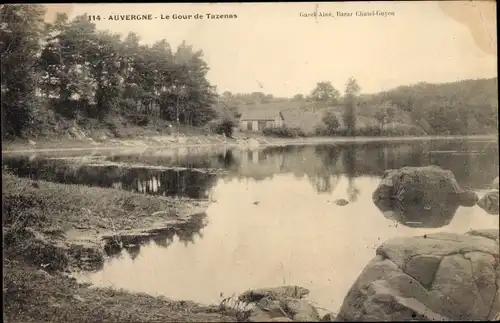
<point x="462" y="107"/>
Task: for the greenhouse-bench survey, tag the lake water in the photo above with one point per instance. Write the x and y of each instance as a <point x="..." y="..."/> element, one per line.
<point x="272" y="219"/>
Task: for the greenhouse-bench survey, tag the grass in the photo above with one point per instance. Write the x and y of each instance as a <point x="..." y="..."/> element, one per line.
<point x="77" y="206"/>
<point x="233" y="304"/>
<point x="58" y="131"/>
<point x="39" y="252"/>
<point x="33" y="295"/>
<point x="308" y="116"/>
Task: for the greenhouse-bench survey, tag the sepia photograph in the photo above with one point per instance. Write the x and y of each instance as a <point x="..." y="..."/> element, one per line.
<point x="250" y="162"/>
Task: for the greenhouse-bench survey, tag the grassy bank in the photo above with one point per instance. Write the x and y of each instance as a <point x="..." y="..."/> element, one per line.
<point x="140" y="141"/>
<point x="51" y="228"/>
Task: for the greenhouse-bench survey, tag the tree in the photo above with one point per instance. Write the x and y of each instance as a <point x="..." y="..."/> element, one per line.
<point x="298" y="97"/>
<point x="324" y="92"/>
<point x="21" y="28"/>
<point x="125" y="77"/>
<point x="350" y="101"/>
<point x="227" y="95"/>
<point x="381" y="118"/>
<point x="64" y="60"/>
<point x="384" y="113"/>
<point x="462" y="107"/>
<point x="331" y="121"/>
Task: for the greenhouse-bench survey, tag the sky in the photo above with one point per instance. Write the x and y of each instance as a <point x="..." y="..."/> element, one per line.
<point x="271" y="48"/>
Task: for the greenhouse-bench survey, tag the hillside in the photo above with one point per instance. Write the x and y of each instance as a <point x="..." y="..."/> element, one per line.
<point x="462" y="107"/>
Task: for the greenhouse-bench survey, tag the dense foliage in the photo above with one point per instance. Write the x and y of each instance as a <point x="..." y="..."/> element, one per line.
<point x="458" y="108"/>
<point x="69" y="70"/>
<point x="20" y="31"/>
<point x="81" y="71"/>
<point x="463" y="107"/>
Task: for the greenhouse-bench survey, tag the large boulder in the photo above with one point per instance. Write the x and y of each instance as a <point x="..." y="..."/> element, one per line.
<point x="440" y="276"/>
<point x="494" y="185"/>
<point x="489" y="201"/>
<point x="280" y="304"/>
<point x="426" y="196"/>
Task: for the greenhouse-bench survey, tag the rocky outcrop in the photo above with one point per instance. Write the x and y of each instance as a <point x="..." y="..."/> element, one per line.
<point x="421" y="196"/>
<point x="494" y="184"/>
<point x="426" y="184"/>
<point x="280" y="304"/>
<point x="441" y="276"/>
<point x="489" y="201"/>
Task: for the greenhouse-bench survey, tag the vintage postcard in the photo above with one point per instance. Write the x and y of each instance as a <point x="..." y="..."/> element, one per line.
<point x="224" y="162"/>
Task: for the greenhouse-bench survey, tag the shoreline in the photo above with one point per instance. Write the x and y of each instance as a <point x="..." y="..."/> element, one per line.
<point x="177" y="142"/>
<point x="64" y="228"/>
<point x="52" y="230"/>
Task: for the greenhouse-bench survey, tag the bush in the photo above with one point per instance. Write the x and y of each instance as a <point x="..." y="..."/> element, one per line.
<point x="224" y="126"/>
<point x="403" y="130"/>
<point x="330" y="120"/>
<point x="370" y="131"/>
<point x="284" y="132"/>
<point x="141" y="120"/>
<point x="325" y="131"/>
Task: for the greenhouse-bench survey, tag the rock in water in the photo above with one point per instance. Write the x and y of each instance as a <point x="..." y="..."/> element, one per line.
<point x="425" y="184"/>
<point x="489" y="202"/>
<point x="443" y="276"/>
<point x="341" y="202"/>
<point x="421" y="196"/>
<point x="495" y="184"/>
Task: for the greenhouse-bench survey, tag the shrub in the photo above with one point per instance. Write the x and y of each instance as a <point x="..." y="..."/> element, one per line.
<point x="323" y="130"/>
<point x="224" y="126"/>
<point x="138" y="119"/>
<point x="330" y="120"/>
<point x="283" y="132"/>
<point x="403" y="130"/>
<point x="211" y="126"/>
<point x="370" y="131"/>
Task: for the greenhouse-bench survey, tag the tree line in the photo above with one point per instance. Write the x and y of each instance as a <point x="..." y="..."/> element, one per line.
<point x="81" y="71"/>
<point x="76" y="70"/>
<point x="456" y="108"/>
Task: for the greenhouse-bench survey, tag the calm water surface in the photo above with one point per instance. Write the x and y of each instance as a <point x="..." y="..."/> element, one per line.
<point x="272" y="220"/>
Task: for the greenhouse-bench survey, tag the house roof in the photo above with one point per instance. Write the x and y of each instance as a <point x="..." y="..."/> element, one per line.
<point x="260" y="114"/>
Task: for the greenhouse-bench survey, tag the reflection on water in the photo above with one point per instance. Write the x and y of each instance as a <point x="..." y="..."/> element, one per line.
<point x="321" y="164"/>
<point x="167" y="182"/>
<point x="417" y="215"/>
<point x="294" y="235"/>
<point x="186" y="233"/>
